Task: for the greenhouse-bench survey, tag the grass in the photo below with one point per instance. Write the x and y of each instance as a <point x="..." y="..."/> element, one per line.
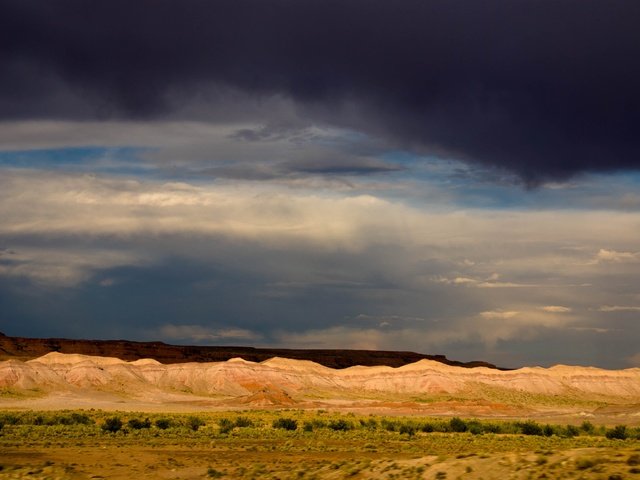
<point x="21" y="393"/>
<point x="305" y="444"/>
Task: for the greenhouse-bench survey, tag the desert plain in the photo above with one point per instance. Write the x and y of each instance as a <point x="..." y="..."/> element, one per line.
<point x="79" y="416"/>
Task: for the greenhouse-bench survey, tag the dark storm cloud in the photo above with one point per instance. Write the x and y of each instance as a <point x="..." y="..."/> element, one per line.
<point x="543" y="88"/>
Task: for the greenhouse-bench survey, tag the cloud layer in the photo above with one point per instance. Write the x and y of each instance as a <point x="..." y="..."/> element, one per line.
<point x="325" y="173"/>
<point x="255" y="263"/>
<point x="545" y="89"/>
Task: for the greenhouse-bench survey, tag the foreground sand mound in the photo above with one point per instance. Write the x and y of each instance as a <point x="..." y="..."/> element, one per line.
<point x="283" y="382"/>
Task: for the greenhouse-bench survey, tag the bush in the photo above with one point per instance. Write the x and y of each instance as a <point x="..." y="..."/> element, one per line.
<point x="475" y="428"/>
<point x="194" y="423"/>
<point x="112" y="424"/>
<point x="571" y="431"/>
<point x="618" y="432"/>
<point x="389" y="426"/>
<point x="82" y="419"/>
<point x="225" y="425"/>
<point x="547" y="430"/>
<point x="137" y="424"/>
<point x="530" y="428"/>
<point x="9" y="419"/>
<point x="163" y="423"/>
<point x="457" y="425"/>
<point x="369" y="424"/>
<point x="585" y="463"/>
<point x="285" y="423"/>
<point x="318" y="423"/>
<point x="426" y="427"/>
<point x="587" y="427"/>
<point x="243" y="422"/>
<point x="491" y="428"/>
<point x="213" y="473"/>
<point x="408" y="428"/>
<point x="340" y="425"/>
<point x="633" y="460"/>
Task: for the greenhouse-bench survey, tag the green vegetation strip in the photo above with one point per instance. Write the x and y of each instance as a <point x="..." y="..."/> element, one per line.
<point x="96" y="422"/>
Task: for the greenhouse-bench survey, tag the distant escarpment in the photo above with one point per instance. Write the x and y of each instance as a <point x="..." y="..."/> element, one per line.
<point x="21" y="348"/>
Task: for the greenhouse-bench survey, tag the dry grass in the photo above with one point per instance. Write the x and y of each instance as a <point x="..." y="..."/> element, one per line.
<point x="325" y="445"/>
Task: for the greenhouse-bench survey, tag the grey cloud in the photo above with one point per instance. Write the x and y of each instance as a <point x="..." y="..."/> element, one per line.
<point x="127" y="257"/>
<point x="544" y="89"/>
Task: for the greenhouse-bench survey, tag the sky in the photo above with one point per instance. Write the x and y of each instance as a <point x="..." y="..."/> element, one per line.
<point x="452" y="177"/>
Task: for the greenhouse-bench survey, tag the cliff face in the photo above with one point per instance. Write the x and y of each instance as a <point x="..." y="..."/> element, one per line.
<point x="20" y="348"/>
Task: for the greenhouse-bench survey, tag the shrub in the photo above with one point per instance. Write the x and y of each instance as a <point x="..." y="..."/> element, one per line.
<point x="547" y="430"/>
<point x="457" y="425"/>
<point x="389" y="426"/>
<point x="307" y="427"/>
<point x="633" y="460"/>
<point x="62" y="420"/>
<point x="9" y="419"/>
<point x="243" y="422"/>
<point x="587" y="427"/>
<point x="408" y="428"/>
<point x="225" y="425"/>
<point x="571" y="431"/>
<point x="475" y="428"/>
<point x="163" y="423"/>
<point x="530" y="428"/>
<point x="112" y="424"/>
<point x="194" y="423"/>
<point x="82" y="419"/>
<point x="492" y="428"/>
<point x="618" y="432"/>
<point x="213" y="473"/>
<point x="370" y="423"/>
<point x="426" y="427"/>
<point x="137" y="424"/>
<point x="285" y="423"/>
<point x="340" y="425"/>
<point x="585" y="463"/>
<point x="317" y="423"/>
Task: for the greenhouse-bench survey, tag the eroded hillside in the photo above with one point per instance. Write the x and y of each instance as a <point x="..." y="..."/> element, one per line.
<point x="423" y="387"/>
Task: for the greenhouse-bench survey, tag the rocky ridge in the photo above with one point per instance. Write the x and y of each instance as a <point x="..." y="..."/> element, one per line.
<point x="22" y="348"/>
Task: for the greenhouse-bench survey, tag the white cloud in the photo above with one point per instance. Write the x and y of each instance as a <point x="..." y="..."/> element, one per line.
<point x="499" y="314"/>
<point x="614" y="256"/>
<point x="64" y="267"/>
<point x="556" y="309"/>
<point x="591" y="329"/>
<point x="505" y="285"/>
<point x="490" y="282"/>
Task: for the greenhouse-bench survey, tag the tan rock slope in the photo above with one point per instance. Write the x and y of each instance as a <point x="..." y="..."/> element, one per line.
<point x="286" y="382"/>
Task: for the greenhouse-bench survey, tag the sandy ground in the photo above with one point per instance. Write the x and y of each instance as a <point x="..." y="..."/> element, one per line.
<point x="179" y="462"/>
<point x="183" y="403"/>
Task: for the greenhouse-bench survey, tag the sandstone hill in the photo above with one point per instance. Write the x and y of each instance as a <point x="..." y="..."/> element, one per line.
<point x="423" y="386"/>
<point x="21" y="348"/>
